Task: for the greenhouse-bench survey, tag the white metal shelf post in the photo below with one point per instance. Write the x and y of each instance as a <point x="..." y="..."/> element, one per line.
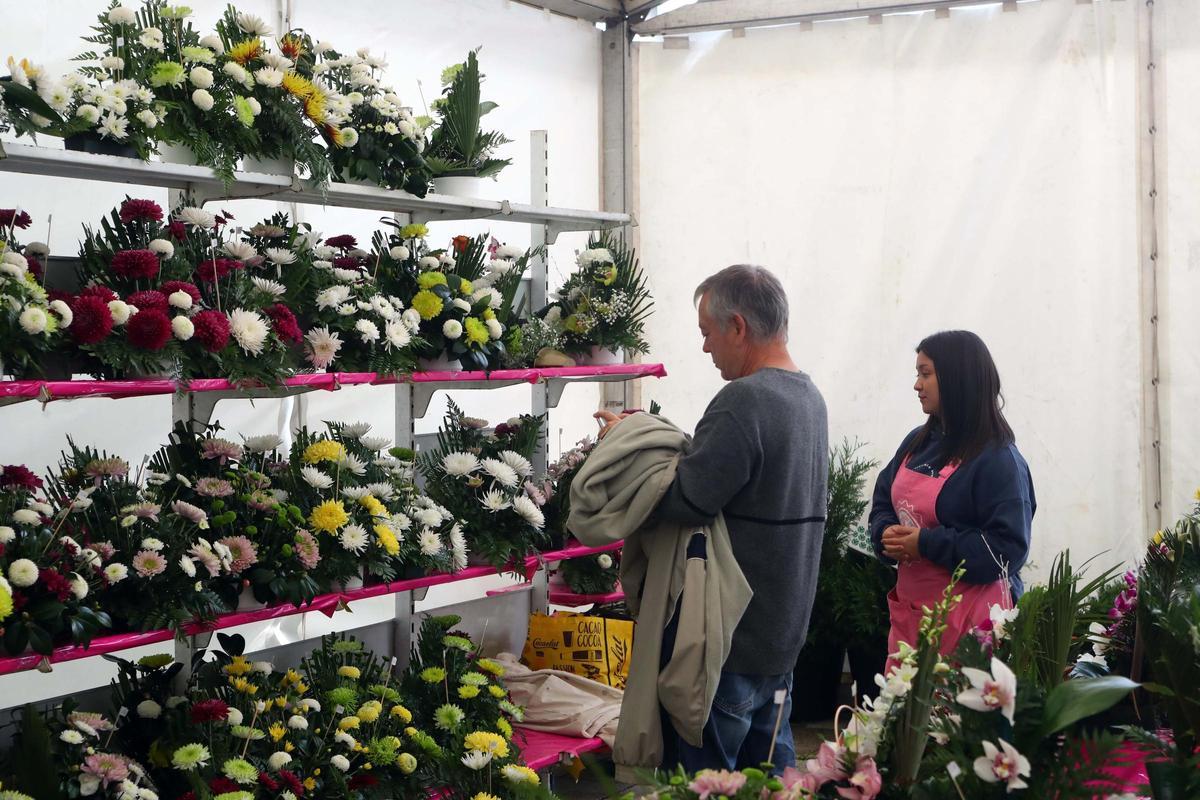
<point x="540" y="236"/>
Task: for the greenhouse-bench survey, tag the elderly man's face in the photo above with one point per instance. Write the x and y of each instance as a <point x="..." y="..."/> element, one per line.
<point x="725" y="343"/>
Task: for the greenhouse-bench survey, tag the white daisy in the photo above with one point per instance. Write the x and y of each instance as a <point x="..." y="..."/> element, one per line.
<point x="429" y="543"/>
<point x="494" y="500"/>
<point x="249" y="329"/>
<point x="322" y="347"/>
<point x="353" y="538"/>
<point x="273" y="288"/>
<point x="529" y="511"/>
<point x="518" y="462"/>
<point x="315" y="478"/>
<point x="503" y="473"/>
<point x="196" y="217"/>
<point x="459" y="463"/>
<point x="347" y="309"/>
<point x="280" y="256"/>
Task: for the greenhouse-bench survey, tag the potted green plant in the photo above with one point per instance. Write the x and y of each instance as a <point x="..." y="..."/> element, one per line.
<point x="459" y="153"/>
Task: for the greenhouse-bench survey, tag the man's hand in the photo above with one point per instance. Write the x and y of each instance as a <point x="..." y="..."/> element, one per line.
<point x="609" y="421"/>
<point x="901" y="542"/>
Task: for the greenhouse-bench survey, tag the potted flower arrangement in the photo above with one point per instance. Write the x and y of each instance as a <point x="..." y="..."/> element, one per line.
<point x="459" y="153"/>
<point x="47" y="575"/>
<point x="556" y="489"/>
<point x="482" y="478"/>
<point x="31" y="324"/>
<point x="387" y="152"/>
<point x="602" y="307"/>
<point x="22" y="108"/>
<point x="595" y="574"/>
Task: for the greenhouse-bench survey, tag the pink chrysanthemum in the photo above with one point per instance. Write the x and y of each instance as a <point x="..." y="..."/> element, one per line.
<point x="214" y="487"/>
<point x="148" y="563"/>
<point x="220" y="449"/>
<point x="243" y="552"/>
<point x="307" y="549"/>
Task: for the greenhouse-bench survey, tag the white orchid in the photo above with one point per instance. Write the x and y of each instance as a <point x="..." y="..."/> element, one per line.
<point x="990" y="692"/>
<point x="1003" y="764"/>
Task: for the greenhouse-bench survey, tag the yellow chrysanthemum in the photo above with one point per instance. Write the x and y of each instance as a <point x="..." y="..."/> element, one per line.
<point x="485" y="796"/>
<point x="504" y="727"/>
<point x="487" y="665"/>
<point x="238" y="666"/>
<point x="6" y="602"/>
<point x="373" y="506"/>
<point x="487" y="742"/>
<point x="387" y="540"/>
<point x="349" y="723"/>
<point x="468" y="692"/>
<point x="277" y="732"/>
<point x="477" y="332"/>
<point x="407" y="763"/>
<point x="429" y="305"/>
<point x="403" y="713"/>
<point x="347" y="671"/>
<point x="517" y="774"/>
<point x="245" y="52"/>
<point x="329" y="517"/>
<point x="310" y="784"/>
<point x="369" y="712"/>
<point x="428" y="280"/>
<point x="297" y="85"/>
<point x="489" y="314"/>
<point x="243" y="686"/>
<point x="280" y="702"/>
<point x="1197" y="495"/>
<point x="324" y="450"/>
<point x="414" y="231"/>
<point x="465" y="286"/>
<point x="314" y="107"/>
<point x="498" y="692"/>
<point x="290" y="677"/>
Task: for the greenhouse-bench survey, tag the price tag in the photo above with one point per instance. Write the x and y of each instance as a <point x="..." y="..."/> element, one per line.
<point x="954" y="770"/>
<point x="120" y="41"/>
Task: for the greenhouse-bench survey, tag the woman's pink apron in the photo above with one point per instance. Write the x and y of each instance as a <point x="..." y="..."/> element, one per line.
<point x="921" y="583"/>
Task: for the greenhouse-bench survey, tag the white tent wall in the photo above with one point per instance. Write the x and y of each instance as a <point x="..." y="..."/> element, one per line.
<point x="553" y="86"/>
<point x="1179" y="248"/>
<point x="976" y="171"/>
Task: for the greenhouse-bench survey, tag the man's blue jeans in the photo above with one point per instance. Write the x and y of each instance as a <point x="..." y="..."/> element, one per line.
<point x="739" y="729"/>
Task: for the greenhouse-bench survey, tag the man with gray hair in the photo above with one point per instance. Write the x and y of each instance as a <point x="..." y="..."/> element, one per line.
<point x="760" y="458"/>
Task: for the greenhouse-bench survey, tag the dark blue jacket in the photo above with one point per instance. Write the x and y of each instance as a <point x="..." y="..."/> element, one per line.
<point x="985" y="509"/>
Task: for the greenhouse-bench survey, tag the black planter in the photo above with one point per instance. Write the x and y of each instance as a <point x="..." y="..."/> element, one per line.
<point x="867" y="660"/>
<point x="91" y="143"/>
<point x="816" y="682"/>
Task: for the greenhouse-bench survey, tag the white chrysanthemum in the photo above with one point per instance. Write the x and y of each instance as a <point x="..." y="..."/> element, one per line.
<point x="518" y="462"/>
<point x="333" y="296"/>
<point x="196" y="217"/>
<point x="599" y="255"/>
<point x="280" y="256"/>
<point x="355" y="492"/>
<point x="411" y="319"/>
<point x="201" y="77"/>
<point x="88" y="113"/>
<point x="161" y="247"/>
<point x="460" y="304"/>
<point x="278" y="61"/>
<point x="242" y="251"/>
<point x="352" y="464"/>
<point x="116" y="573"/>
<point x="213" y="42"/>
<point x="65" y="315"/>
<point x="148" y="709"/>
<point x="347" y="275"/>
<point x="22" y="573"/>
<point x="120" y="311"/>
<point x="367" y="331"/>
<point x="152" y="39"/>
<point x="400" y="522"/>
<point x="148" y="118"/>
<point x="477" y="759"/>
<point x="71" y="737"/>
<point x="269" y="77"/>
<point x="249" y="329"/>
<point x="7" y="534"/>
<point x="33" y="320"/>
<point x="494" y="328"/>
<point x="503" y="473"/>
<point x="428" y="263"/>
<point x="397" y="334"/>
<point x="399" y="253"/>
<point x="25" y="516"/>
<point x="182" y="327"/>
<point x="347" y="309"/>
<point x="114" y="127"/>
<point x="494" y="500"/>
<point x="459" y="463"/>
<point x="341" y="762"/>
<point x="353" y="538"/>
<point x="315" y="478"/>
<point x="383" y="307"/>
<point x="278" y="760"/>
<point x="122" y="15"/>
<point x="356" y="430"/>
<point x="452" y="329"/>
<point x="375" y="443"/>
<point x="203" y="100"/>
<point x="79" y="587"/>
<point x="297" y="723"/>
<point x="235" y="717"/>
<point x="113" y="63"/>
<point x="252" y="25"/>
<point x="429" y="542"/>
<point x="529" y="510"/>
<point x="263" y="443"/>
<point x="508" y="251"/>
<point x="323" y="347"/>
<point x="347" y="137"/>
<point x="273" y="288"/>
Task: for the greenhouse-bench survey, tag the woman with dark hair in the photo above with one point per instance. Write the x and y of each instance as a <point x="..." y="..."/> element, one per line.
<point x="957" y="493"/>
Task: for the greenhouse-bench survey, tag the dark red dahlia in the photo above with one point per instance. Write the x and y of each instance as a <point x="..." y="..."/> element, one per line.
<point x="209" y="271"/>
<point x="294" y="784"/>
<point x="96" y="290"/>
<point x="213" y="710"/>
<point x="10" y="218"/>
<point x="221" y="785"/>
<point x="19" y="476"/>
<point x="177" y="230"/>
<point x="362" y="780"/>
<point x="93" y="321"/>
<point x="170" y="287"/>
<point x="141" y="210"/>
<point x="284" y="323"/>
<point x="55" y="584"/>
<point x="149" y="329"/>
<point x="147" y="300"/>
<point x="212" y="330"/>
<point x="345" y="241"/>
<point x="35" y="267"/>
<point x="135" y="264"/>
<point x="59" y="294"/>
<point x="267" y="781"/>
<point x="346" y="262"/>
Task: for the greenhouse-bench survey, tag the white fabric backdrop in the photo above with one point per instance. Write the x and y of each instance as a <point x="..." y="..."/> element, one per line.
<point x="972" y="172"/>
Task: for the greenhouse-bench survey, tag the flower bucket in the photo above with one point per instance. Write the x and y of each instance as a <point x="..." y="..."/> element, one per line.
<point x="177" y="154"/>
<point x="89" y="142"/>
<point x="269" y="166"/>
<point x="353" y="582"/>
<point x="467" y="186"/>
<point x="443" y="363"/>
<point x="602" y="357"/>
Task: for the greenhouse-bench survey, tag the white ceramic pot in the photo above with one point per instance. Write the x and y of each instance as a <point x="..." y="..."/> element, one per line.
<point x="443" y="363"/>
<point x="353" y="582"/>
<point x="602" y="357"/>
<point x="247" y="602"/>
<point x="269" y="166"/>
<point x="478" y="188"/>
<point x="177" y="154"/>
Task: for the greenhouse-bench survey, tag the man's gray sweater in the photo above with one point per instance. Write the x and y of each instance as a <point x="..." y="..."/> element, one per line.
<point x="760" y="456"/>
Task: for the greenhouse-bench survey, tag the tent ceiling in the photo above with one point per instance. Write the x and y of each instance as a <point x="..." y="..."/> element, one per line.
<point x="597" y="10"/>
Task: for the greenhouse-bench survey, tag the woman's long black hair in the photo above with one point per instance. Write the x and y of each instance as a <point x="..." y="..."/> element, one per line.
<point x="969" y="386"/>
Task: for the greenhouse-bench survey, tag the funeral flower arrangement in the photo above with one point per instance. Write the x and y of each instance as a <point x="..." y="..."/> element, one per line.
<point x="31" y="323"/>
<point x="594" y="574"/>
<point x="457" y="146"/>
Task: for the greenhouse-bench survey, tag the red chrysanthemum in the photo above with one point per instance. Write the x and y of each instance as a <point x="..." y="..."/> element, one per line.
<point x="362" y="780"/>
<point x="294" y="784"/>
<point x="149" y="329"/>
<point x="55" y="583"/>
<point x="148" y="299"/>
<point x="209" y="271"/>
<point x="104" y="293"/>
<point x="268" y="782"/>
<point x="213" y="710"/>
<point x="10" y="218"/>
<point x="19" y="476"/>
<point x="35" y="267"/>
<point x="345" y="241"/>
<point x="177" y="230"/>
<point x="93" y="321"/>
<point x="346" y="262"/>
<point x="141" y="210"/>
<point x="170" y="287"/>
<point x="221" y="785"/>
<point x="284" y="323"/>
<point x="212" y="330"/>
<point x="135" y="264"/>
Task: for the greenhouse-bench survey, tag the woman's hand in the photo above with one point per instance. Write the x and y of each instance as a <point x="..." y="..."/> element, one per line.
<point x="608" y="421"/>
<point x="901" y="543"/>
